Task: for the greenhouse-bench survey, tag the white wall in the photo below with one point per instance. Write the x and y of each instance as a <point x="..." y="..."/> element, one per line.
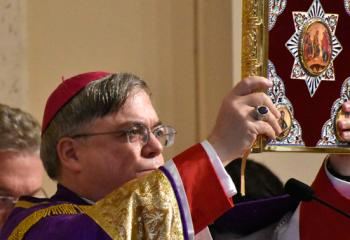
<point x="13" y="84"/>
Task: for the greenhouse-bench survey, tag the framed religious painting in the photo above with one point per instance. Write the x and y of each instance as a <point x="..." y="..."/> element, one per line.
<point x="303" y="46"/>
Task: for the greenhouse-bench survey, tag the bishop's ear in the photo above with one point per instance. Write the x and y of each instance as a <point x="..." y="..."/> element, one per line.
<point x="68" y="153"/>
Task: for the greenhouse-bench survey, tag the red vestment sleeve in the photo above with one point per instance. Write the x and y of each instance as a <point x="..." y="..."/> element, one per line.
<point x="206" y="197"/>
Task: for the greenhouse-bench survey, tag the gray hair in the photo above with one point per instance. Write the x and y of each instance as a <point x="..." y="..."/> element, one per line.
<point x="98" y="99"/>
<point x="19" y="130"/>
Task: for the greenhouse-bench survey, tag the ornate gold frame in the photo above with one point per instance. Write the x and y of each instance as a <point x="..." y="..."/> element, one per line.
<point x="254" y="38"/>
<point x="255" y="45"/>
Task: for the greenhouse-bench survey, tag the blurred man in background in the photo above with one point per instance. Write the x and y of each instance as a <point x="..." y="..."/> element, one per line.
<point x="21" y="170"/>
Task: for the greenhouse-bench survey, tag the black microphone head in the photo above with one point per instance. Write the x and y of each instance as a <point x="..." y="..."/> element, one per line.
<point x="299" y="190"/>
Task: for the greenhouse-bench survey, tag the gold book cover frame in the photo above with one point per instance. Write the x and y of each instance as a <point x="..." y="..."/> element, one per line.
<point x="258" y="18"/>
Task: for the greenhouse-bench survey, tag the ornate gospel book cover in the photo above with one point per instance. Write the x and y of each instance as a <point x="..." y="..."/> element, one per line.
<point x="303" y="46"/>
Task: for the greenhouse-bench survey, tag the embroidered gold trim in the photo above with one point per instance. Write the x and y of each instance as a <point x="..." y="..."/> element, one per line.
<point x="26" y="204"/>
<point x="21" y="229"/>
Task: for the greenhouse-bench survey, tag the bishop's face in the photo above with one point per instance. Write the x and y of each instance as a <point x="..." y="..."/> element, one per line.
<point x="110" y="160"/>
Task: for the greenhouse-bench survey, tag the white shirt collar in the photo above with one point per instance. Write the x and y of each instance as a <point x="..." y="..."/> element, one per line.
<point x="343" y="187"/>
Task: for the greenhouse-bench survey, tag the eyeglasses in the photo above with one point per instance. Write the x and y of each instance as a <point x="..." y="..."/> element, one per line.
<point x="140" y="133"/>
<point x="8" y="202"/>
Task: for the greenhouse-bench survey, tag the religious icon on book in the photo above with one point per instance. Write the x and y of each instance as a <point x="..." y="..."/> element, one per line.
<point x="315" y="47"/>
<point x="285" y="122"/>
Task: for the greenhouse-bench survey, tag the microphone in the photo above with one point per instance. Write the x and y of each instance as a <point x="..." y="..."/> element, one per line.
<point x="305" y="193"/>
